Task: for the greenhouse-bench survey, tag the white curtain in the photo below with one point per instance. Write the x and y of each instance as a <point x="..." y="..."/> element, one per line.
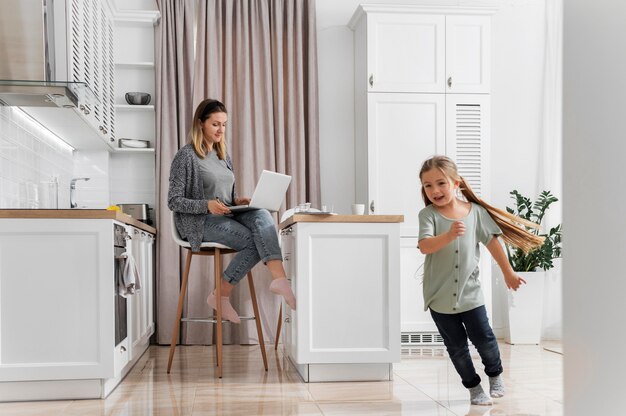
<point x="550" y="162"/>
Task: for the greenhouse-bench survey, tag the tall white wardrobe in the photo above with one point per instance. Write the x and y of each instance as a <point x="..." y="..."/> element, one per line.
<point x="422" y="85"/>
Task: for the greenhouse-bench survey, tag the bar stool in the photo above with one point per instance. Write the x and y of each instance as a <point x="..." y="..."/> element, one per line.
<point x="216" y="250"/>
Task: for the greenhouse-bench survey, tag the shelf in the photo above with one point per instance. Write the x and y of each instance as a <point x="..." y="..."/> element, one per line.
<point x="137" y="17"/>
<point x="130" y="150"/>
<point x="135" y="65"/>
<point x="128" y="107"/>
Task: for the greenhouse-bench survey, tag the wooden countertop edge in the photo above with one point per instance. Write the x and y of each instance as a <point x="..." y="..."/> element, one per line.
<point x="76" y="214"/>
<point x="341" y="218"/>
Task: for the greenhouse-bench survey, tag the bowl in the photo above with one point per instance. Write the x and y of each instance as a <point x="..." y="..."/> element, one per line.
<point x="137" y="98"/>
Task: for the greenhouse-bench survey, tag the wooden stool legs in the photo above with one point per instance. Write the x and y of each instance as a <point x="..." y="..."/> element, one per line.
<point x="217" y="257"/>
<point x="257" y="319"/>
<point x="217" y="261"/>
<point x="179" y="311"/>
<point x="279" y="326"/>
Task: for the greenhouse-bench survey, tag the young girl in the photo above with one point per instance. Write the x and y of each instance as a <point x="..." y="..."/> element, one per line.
<point x="449" y="233"/>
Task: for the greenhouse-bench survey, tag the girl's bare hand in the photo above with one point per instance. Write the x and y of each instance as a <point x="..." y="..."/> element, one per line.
<point x="513" y="281"/>
<point x="217" y="207"/>
<point x="457" y="229"/>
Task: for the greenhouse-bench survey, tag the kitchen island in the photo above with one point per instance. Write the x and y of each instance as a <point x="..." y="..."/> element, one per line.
<point x="345" y="272"/>
<point x="66" y="330"/>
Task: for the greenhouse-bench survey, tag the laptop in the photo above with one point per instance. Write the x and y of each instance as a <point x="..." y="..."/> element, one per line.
<point x="269" y="193"/>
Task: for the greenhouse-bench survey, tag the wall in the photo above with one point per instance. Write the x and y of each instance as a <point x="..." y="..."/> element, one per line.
<point x="30" y="156"/>
<point x="593" y="162"/>
<point x="517" y="75"/>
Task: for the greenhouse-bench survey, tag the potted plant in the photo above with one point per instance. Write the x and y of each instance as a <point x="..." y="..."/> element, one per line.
<point x="525" y="306"/>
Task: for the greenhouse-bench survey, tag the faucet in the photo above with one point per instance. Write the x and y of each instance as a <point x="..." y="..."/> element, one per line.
<point x="73" y="204"/>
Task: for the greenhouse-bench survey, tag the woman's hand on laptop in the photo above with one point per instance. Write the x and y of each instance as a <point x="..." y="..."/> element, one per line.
<point x="217" y="207"/>
<point x="242" y="201"/>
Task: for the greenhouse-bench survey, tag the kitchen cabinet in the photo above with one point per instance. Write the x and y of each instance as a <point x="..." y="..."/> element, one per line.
<point x="81" y="53"/>
<point x="344" y="271"/>
<point x="141" y="305"/>
<point x="58" y="303"/>
<point x="426" y="50"/>
<point x="422" y="83"/>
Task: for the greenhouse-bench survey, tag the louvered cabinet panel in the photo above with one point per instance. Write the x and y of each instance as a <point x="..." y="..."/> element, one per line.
<point x="467" y="138"/>
<point x="90" y="36"/>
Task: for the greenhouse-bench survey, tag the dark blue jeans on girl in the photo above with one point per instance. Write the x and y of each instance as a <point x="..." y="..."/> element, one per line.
<point x="455" y="330"/>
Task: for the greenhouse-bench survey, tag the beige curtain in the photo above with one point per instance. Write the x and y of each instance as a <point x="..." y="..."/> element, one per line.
<point x="259" y="58"/>
<point x="174" y="86"/>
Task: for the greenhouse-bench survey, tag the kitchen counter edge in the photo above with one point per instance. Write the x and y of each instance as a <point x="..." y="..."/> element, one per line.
<point x="340" y="218"/>
<point x="76" y="214"/>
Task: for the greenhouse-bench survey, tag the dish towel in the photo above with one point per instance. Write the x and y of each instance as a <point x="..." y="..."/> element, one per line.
<point x="130" y="280"/>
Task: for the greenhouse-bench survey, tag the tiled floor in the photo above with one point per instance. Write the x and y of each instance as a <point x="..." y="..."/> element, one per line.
<point x="425" y="383"/>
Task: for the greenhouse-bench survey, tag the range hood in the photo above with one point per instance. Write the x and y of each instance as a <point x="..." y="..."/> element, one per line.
<point x="33" y="71"/>
<point x="44" y="93"/>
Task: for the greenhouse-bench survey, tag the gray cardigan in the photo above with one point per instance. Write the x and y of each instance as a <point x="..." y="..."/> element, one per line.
<point x="186" y="195"/>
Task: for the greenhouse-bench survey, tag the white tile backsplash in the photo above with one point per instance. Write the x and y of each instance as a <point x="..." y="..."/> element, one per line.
<point x="30" y="156"/>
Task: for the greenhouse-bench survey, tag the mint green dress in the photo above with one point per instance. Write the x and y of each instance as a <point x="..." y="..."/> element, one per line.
<point x="451" y="275"/>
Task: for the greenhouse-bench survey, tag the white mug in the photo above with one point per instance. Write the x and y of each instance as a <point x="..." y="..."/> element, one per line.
<point x="358" y="209"/>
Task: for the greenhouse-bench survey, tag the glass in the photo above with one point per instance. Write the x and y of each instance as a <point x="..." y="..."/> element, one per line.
<point x="327" y="208"/>
<point x="49" y="192"/>
<point x="304" y="207"/>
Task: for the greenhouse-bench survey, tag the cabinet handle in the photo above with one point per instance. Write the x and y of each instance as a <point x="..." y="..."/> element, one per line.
<point x="286" y="231"/>
<point x="287" y="320"/>
<point x="371" y="80"/>
<point x="372" y="206"/>
<point x="122" y="349"/>
<point x="449" y="82"/>
<point x="286" y="258"/>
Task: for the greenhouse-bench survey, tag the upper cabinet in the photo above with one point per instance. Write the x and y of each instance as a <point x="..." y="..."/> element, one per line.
<point x="90" y="60"/>
<point x="468" y="54"/>
<point x="411" y="49"/>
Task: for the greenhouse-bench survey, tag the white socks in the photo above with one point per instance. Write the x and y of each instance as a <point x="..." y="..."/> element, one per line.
<point x="496" y="390"/>
<point x="228" y="312"/>
<point x="283" y="287"/>
<point x="478" y="396"/>
<point x="496" y="386"/>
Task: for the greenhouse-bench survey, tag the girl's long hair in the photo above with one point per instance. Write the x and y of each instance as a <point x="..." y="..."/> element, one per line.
<point x="511" y="225"/>
<point x="196" y="138"/>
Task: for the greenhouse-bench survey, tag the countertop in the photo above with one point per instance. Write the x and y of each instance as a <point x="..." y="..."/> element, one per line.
<point x="339" y="218"/>
<point x="78" y="214"/>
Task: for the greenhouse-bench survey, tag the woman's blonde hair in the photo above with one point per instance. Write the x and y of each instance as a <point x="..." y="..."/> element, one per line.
<point x="511" y="225"/>
<point x="196" y="138"/>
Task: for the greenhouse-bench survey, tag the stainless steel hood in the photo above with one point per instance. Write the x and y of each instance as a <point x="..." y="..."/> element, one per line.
<point x="33" y="72"/>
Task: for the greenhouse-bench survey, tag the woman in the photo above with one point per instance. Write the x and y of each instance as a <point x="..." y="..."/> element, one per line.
<point x="202" y="187"/>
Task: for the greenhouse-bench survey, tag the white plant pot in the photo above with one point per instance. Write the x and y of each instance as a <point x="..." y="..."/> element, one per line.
<point x="525" y="309"/>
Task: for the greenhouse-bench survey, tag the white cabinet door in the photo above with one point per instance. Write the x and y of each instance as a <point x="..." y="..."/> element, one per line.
<point x="403" y="130"/>
<point x="57" y="293"/>
<point x="467" y="138"/>
<point x="468" y="54"/>
<point x="141" y="317"/>
<point x="289" y="317"/>
<point x="336" y="259"/>
<point x="412" y="315"/>
<point x="405" y="53"/>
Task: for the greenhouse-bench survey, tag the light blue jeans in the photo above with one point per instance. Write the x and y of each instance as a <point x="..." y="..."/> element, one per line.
<point x="251" y="233"/>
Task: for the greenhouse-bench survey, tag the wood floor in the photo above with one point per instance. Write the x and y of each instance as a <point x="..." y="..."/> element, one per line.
<point x="425" y="383"/>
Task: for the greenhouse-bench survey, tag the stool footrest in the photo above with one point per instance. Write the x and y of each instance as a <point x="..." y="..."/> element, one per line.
<point x="213" y="319"/>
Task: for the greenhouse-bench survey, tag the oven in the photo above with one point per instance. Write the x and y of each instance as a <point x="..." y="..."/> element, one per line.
<point x="120" y="237"/>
